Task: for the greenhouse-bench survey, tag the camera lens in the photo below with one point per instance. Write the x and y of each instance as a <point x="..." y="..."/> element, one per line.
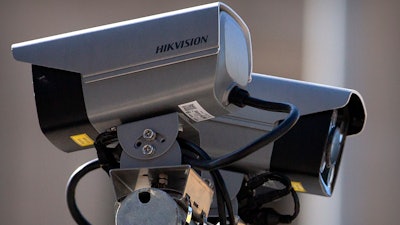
<point x="335" y="147"/>
<point x="333" y="151"/>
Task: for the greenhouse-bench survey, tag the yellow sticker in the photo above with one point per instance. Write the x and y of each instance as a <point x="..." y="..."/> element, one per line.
<point x="297" y="186"/>
<point x="82" y="140"/>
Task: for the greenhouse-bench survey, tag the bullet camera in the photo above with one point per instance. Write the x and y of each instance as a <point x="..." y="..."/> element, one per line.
<point x="310" y="152"/>
<point x="178" y="88"/>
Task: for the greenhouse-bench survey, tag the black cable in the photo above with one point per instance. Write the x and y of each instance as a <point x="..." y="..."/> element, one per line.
<point x="107" y="156"/>
<point x="223" y="198"/>
<point x="188" y="148"/>
<point x="251" y="185"/>
<point x="241" y="98"/>
<point x="252" y="209"/>
<point x="71" y="187"/>
<point x="225" y="194"/>
<point x="290" y="218"/>
<point x="220" y="205"/>
<point x="288" y="189"/>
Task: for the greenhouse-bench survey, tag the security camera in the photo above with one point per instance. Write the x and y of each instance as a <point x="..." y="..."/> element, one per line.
<point x="88" y="81"/>
<point x="310" y="152"/>
<point x="178" y="118"/>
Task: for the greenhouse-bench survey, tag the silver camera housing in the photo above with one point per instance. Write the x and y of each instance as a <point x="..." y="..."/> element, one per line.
<point x="186" y="60"/>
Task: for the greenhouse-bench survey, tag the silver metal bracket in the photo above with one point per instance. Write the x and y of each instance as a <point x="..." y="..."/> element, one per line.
<point x="152" y="142"/>
<point x="181" y="182"/>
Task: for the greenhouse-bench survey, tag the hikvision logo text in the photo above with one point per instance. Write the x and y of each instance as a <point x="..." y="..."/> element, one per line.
<point x="181" y="44"/>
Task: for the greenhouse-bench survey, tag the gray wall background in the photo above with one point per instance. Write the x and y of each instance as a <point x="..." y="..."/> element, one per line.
<point x="353" y="43"/>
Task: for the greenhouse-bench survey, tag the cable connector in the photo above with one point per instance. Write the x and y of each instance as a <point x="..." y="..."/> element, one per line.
<point x="237" y="96"/>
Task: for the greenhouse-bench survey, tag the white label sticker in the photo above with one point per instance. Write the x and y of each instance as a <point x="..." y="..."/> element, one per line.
<point x="194" y="111"/>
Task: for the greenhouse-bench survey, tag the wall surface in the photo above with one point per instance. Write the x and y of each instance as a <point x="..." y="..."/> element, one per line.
<point x="370" y="174"/>
<point x="34" y="173"/>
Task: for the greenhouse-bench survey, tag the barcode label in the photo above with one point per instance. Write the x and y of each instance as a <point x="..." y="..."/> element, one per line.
<point x="194" y="111"/>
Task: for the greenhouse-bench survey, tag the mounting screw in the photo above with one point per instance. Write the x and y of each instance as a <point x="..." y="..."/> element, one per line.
<point x="148" y="149"/>
<point x="149" y="134"/>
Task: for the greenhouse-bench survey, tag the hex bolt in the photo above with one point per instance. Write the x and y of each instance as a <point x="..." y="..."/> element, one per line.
<point x="148" y="149"/>
<point x="149" y="134"/>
